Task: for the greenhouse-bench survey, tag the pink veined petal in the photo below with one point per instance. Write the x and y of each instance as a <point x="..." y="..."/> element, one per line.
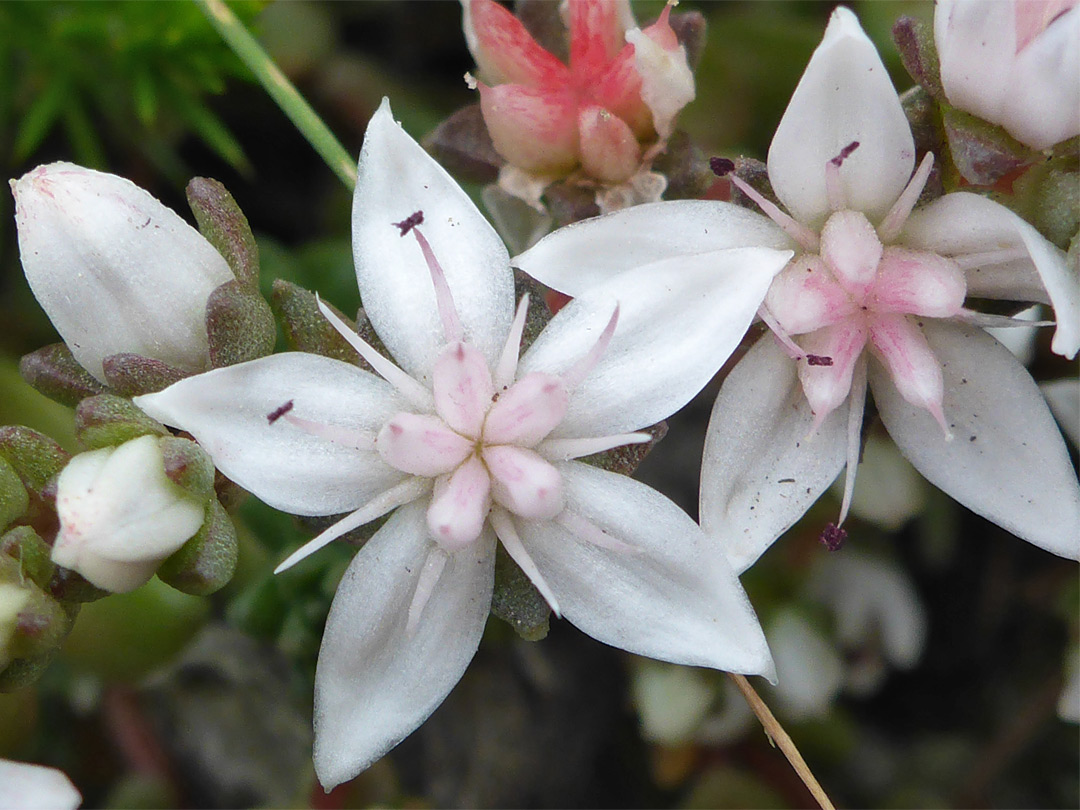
<point x="421" y="444"/>
<point x="618" y="89"/>
<point x="463" y="388"/>
<point x="805" y="296"/>
<point x="523" y="482"/>
<point x="827" y="385"/>
<point x="459" y="505"/>
<point x="609" y="150"/>
<point x="844" y="96"/>
<point x="915" y="372"/>
<point x="852" y="250"/>
<point x="917" y="283"/>
<point x="527" y="411"/>
<point x="504" y="50"/>
<point x="597" y="28"/>
<point x="535" y="130"/>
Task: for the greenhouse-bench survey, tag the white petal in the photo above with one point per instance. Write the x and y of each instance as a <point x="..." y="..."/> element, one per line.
<point x="845" y="95"/>
<point x="287" y="467"/>
<point x="35" y="787"/>
<point x="976" y="44"/>
<point x="114" y="269"/>
<point x="376" y="682"/>
<point x="395" y="179"/>
<point x="1042" y="110"/>
<point x="679" y="321"/>
<point x="1063" y="397"/>
<point x="760" y="471"/>
<point x="1008" y="461"/>
<point x="961" y="223"/>
<point x="583" y="254"/>
<point x="672" y="597"/>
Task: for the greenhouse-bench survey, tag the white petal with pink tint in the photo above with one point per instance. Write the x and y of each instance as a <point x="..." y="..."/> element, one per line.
<point x="1008" y="461"/>
<point x="917" y="283"/>
<point x="828" y="384"/>
<point x="459" y="505"/>
<point x="964" y="225"/>
<point x="503" y="48"/>
<point x="375" y="681"/>
<point x="916" y="373"/>
<point x="524" y="482"/>
<point x="1044" y="112"/>
<point x="396" y="178"/>
<point x="527" y="411"/>
<point x="461" y="381"/>
<point x="667" y="83"/>
<point x="534" y="129"/>
<point x="805" y="296"/>
<point x="852" y="250"/>
<point x="421" y="444"/>
<point x="844" y="96"/>
<point x="609" y="149"/>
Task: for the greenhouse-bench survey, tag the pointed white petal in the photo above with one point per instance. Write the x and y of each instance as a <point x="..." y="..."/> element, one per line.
<point x="282" y="464"/>
<point x="760" y="472"/>
<point x="961" y="223"/>
<point x="976" y="43"/>
<point x="376" y="681"/>
<point x="395" y="179"/>
<point x="674" y="597"/>
<point x="35" y="787"/>
<point x="679" y="321"/>
<point x="1008" y="461"/>
<point x="1043" y="108"/>
<point x="844" y="96"/>
<point x="581" y="255"/>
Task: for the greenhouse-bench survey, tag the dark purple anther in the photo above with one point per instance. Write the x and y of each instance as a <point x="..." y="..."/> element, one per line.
<point x="721" y="167"/>
<point x="818" y="360"/>
<point x="410" y="222"/>
<point x="833" y="537"/>
<point x="279" y="412"/>
<point x="845" y="153"/>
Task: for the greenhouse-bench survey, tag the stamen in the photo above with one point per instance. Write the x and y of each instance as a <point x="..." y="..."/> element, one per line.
<point x="447" y="311"/>
<point x="856" y="408"/>
<point x="969" y="261"/>
<point x="407" y="491"/>
<point x="279" y="412"/>
<point x="796" y="230"/>
<point x="834" y="188"/>
<point x="508" y="360"/>
<point x="566" y="449"/>
<point x="790" y="347"/>
<point x="589" y="532"/>
<point x="410" y="222"/>
<point x="356" y="439"/>
<point x="434" y="564"/>
<point x="893" y="223"/>
<point x="580" y="370"/>
<point x="721" y="167"/>
<point x="987" y="320"/>
<point x="406" y="385"/>
<point x="504" y="528"/>
<point x="833" y="537"/>
<point x="818" y="360"/>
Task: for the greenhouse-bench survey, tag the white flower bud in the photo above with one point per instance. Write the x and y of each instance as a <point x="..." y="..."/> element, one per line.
<point x="115" y="270"/>
<point x="120" y="516"/>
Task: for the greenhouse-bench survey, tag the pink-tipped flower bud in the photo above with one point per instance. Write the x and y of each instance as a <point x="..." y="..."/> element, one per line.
<point x="115" y="270"/>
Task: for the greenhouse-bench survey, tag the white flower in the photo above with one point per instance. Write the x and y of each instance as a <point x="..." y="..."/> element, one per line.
<point x="35" y="787"/>
<point x="1015" y="63"/>
<point x="115" y="270"/>
<point x="471" y="446"/>
<point x="120" y="515"/>
<point x="871" y="274"/>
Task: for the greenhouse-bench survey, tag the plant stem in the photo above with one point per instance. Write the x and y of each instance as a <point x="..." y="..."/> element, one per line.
<point x="281" y="90"/>
<point x="780" y="737"/>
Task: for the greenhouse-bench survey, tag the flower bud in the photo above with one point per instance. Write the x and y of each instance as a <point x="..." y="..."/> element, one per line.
<point x="120" y="515"/>
<point x="115" y="270"/>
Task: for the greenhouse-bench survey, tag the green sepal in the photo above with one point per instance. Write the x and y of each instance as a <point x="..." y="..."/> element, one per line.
<point x="206" y="562"/>
<point x="53" y="371"/>
<point x="307" y="330"/>
<point x="14" y="499"/>
<point x="35" y="457"/>
<point x="188" y="466"/>
<point x="915" y="42"/>
<point x="132" y="374"/>
<point x="239" y="325"/>
<point x="33" y="554"/>
<point x="1048" y="196"/>
<point x="516" y="600"/>
<point x="225" y="227"/>
<point x="108" y="420"/>
<point x="982" y="152"/>
<point x="625" y="459"/>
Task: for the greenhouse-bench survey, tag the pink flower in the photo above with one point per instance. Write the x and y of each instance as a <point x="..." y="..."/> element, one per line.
<point x="1015" y="63"/>
<point x="620" y="91"/>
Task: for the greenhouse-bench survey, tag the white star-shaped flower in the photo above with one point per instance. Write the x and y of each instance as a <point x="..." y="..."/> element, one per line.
<point x="874" y="297"/>
<point x="469" y="445"/>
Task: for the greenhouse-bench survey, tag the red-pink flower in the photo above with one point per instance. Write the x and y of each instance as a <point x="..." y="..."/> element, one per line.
<point x="619" y="93"/>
